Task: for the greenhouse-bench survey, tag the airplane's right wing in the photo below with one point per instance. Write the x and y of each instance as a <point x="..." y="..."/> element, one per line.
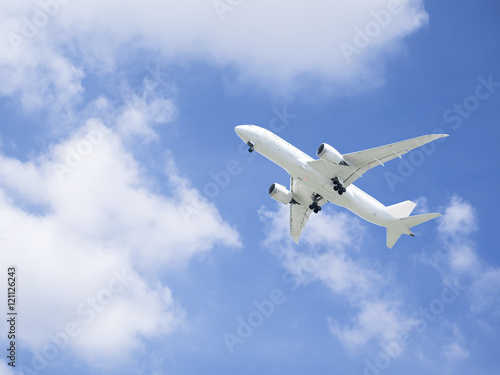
<point x="300" y="211"/>
<point x="299" y="214"/>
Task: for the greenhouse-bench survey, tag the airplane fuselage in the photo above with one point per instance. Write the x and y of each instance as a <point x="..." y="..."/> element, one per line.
<point x="294" y="161"/>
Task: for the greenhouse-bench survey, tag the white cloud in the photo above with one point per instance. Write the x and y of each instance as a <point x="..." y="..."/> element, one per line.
<point x="142" y="112"/>
<point x="84" y="210"/>
<point x="463" y="258"/>
<point x="380" y="319"/>
<point x="36" y="73"/>
<point x="275" y="44"/>
<point x="459" y="218"/>
<point x="485" y="290"/>
<point x="460" y="257"/>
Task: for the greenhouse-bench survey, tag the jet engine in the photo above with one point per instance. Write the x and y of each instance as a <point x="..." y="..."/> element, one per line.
<point x="280" y="193"/>
<point x="328" y="153"/>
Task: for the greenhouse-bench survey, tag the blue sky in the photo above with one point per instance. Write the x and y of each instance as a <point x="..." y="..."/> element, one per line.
<point x="141" y="227"/>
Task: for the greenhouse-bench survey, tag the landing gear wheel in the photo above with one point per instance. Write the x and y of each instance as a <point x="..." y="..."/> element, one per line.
<point x="341" y="192"/>
<point x="315" y="207"/>
<point x="336" y="187"/>
<point x="250" y="144"/>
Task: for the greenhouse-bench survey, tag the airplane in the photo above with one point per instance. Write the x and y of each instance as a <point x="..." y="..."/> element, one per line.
<point x="330" y="179"/>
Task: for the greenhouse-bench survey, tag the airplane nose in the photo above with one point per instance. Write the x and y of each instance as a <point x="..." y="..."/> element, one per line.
<point x="243" y="132"/>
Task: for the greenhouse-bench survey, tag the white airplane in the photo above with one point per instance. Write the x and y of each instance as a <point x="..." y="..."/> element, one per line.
<point x="329" y="179"/>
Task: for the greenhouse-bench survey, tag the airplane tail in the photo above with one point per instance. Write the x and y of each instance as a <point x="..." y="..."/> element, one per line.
<point x="402" y="209"/>
<point x="404" y="222"/>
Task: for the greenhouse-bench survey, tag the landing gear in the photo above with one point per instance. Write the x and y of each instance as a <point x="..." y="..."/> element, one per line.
<point x="315" y="207"/>
<point x="250" y="144"/>
<point x="337" y="186"/>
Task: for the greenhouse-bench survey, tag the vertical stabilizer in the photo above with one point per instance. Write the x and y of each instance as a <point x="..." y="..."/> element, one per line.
<point x="402" y="209"/>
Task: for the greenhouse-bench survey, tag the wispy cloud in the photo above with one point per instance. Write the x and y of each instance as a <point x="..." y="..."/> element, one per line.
<point x="378" y="318"/>
<point x="335" y="238"/>
<point x="457" y="257"/>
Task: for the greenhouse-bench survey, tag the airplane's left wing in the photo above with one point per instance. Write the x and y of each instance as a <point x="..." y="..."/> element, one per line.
<point x="367" y="159"/>
<point x="361" y="161"/>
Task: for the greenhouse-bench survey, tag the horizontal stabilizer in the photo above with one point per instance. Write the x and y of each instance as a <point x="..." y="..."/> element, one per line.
<point x="411" y="221"/>
<point x="403" y="225"/>
<point x="393" y="235"/>
<point x="402" y="209"/>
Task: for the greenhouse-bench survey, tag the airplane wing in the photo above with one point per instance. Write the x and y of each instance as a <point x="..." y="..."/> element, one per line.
<point x="300" y="211"/>
<point x="361" y="161"/>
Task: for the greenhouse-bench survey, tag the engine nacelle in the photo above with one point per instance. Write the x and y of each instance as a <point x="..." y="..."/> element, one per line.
<point x="328" y="153"/>
<point x="280" y="193"/>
